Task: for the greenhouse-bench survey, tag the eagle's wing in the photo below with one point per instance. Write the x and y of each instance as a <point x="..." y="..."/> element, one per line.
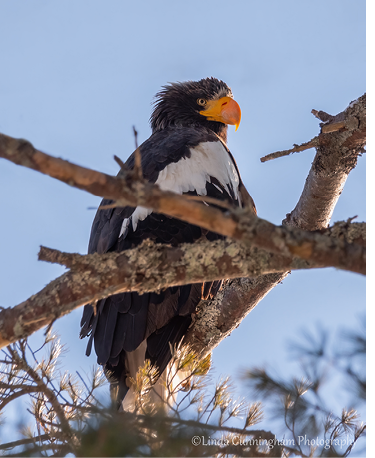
<point x="186" y="160"/>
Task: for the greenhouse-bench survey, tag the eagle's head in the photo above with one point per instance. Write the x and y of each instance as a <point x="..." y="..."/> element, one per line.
<point x="208" y="103"/>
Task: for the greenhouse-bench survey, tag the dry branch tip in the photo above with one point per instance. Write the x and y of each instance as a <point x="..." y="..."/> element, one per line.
<point x="296" y="149"/>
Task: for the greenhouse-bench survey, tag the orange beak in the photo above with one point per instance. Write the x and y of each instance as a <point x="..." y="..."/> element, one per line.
<point x="225" y="110"/>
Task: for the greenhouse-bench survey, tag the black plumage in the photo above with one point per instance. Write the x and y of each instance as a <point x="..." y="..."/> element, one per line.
<point x="186" y="153"/>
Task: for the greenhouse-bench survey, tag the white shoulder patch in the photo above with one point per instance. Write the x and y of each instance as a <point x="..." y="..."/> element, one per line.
<point x="208" y="159"/>
<point x="212" y="159"/>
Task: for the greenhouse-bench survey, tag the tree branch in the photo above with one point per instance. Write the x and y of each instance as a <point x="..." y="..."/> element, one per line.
<point x="218" y="318"/>
<point x="238" y="223"/>
<point x="25" y="389"/>
<point x="26" y="441"/>
<point x="296" y="149"/>
<point x="336" y="156"/>
<point x="148" y="267"/>
<point x="347" y="121"/>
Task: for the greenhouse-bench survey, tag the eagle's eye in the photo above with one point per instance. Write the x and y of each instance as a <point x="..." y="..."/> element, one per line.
<point x="201" y="102"/>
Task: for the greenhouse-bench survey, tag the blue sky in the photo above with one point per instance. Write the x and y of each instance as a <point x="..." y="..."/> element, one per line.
<point x="77" y="75"/>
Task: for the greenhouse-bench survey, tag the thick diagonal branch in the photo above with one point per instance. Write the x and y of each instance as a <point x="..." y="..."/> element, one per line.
<point x="336" y="156"/>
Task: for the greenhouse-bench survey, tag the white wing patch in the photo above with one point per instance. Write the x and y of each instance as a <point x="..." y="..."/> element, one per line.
<point x="124" y="227"/>
<point x="191" y="174"/>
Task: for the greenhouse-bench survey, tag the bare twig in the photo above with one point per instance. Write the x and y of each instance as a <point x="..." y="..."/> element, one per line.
<point x="62" y="450"/>
<point x="322" y="115"/>
<point x="296" y="149"/>
<point x="26" y="441"/>
<point x="135" y="132"/>
<point x="119" y="161"/>
<point x="25" y="389"/>
<point x="137" y="170"/>
<point x="343" y="121"/>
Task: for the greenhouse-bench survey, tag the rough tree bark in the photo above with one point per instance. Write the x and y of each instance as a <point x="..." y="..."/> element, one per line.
<point x="337" y="152"/>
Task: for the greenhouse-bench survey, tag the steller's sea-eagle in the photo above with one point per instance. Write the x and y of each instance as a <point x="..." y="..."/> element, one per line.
<point x="187" y="154"/>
